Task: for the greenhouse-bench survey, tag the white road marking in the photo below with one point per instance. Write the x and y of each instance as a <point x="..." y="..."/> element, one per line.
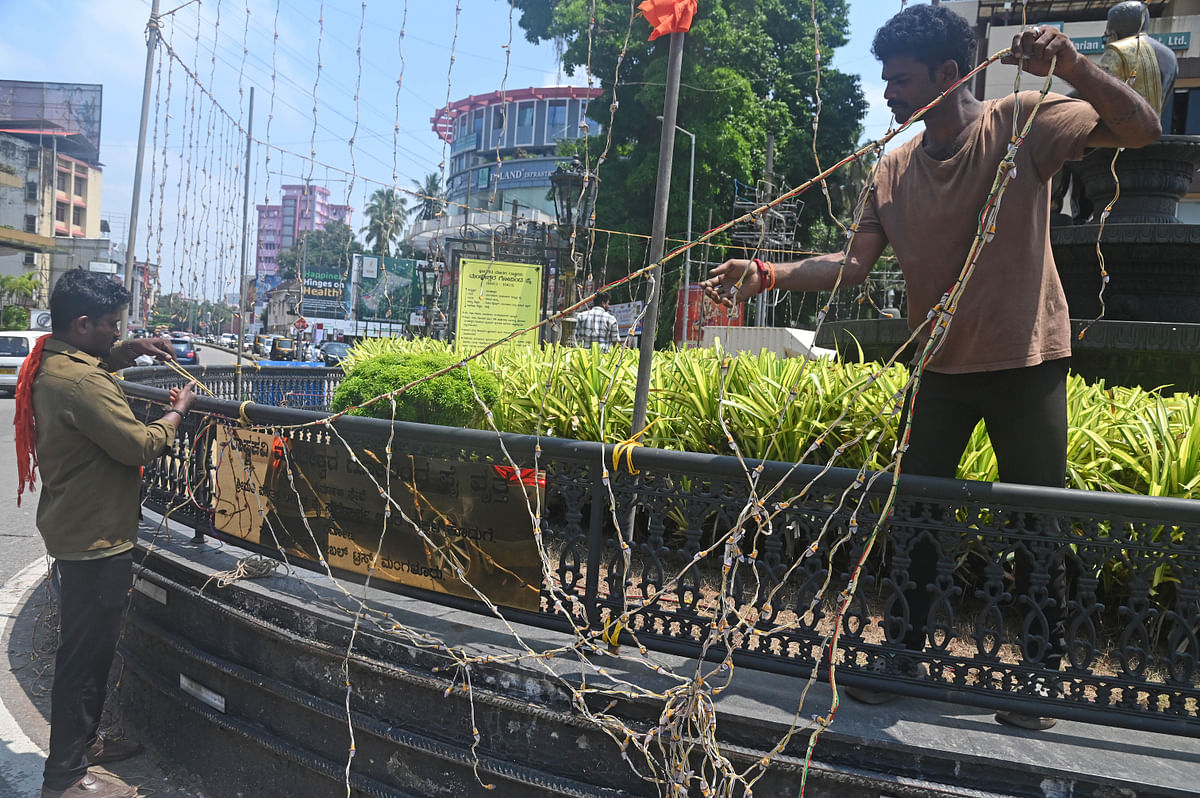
<point x="20" y="758"/>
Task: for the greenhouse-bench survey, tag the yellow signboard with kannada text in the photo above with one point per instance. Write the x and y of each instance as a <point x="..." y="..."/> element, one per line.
<point x="496" y="299"/>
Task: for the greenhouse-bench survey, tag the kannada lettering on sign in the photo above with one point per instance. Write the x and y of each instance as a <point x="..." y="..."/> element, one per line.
<point x="495" y="299"/>
<point x="304" y="495"/>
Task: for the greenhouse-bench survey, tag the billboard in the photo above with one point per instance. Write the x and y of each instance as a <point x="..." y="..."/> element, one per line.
<point x="73" y="107"/>
<point x="384" y="290"/>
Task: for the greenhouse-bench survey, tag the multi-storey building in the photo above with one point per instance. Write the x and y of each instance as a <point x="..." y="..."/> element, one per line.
<point x="503" y="146"/>
<point x="303" y="208"/>
<point x="26" y="212"/>
<point x="50" y="178"/>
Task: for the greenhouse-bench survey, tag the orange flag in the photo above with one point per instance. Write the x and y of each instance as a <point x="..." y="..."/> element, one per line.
<point x="668" y="16"/>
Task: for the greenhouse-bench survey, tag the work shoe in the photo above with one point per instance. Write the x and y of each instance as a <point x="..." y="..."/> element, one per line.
<point x="94" y="785"/>
<point x="1023" y="721"/>
<point x="1038" y="686"/>
<point x="874" y="696"/>
<point x="104" y="750"/>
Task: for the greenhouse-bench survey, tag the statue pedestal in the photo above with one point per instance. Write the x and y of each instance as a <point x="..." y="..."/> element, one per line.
<point x="1152" y="180"/>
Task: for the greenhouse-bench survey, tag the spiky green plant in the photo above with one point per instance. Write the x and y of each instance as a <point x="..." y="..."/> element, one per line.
<point x="1120" y="439"/>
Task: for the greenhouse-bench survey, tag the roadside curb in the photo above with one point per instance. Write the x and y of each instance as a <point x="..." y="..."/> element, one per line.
<point x="20" y="757"/>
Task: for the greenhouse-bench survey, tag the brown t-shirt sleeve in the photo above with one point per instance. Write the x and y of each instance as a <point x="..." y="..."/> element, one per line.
<point x="1060" y="130"/>
<point x="869" y="221"/>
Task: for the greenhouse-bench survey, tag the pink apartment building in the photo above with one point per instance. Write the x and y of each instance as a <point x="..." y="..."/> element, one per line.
<point x="302" y="209"/>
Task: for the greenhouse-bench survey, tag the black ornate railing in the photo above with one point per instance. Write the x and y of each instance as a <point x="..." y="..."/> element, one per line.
<point x="993" y="560"/>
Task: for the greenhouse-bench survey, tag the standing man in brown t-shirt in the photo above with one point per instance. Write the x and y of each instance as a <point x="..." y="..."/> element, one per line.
<point x="1004" y="358"/>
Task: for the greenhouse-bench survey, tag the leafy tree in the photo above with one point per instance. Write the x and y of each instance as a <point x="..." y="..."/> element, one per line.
<point x="14" y="317"/>
<point x="327" y="251"/>
<point x="172" y="310"/>
<point x="386" y="213"/>
<point x="749" y="69"/>
<point x="13" y="289"/>
<point x="431" y="199"/>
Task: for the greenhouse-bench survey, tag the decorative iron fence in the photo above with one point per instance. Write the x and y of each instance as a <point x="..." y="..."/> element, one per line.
<point x="992" y="561"/>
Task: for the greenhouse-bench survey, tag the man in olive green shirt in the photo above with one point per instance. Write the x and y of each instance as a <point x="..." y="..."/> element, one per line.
<point x="90" y="449"/>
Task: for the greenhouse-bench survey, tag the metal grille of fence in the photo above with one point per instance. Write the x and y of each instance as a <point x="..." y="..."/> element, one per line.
<point x="992" y="561"/>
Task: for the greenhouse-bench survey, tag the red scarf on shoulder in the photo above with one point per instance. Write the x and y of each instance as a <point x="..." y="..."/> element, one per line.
<point x="26" y="429"/>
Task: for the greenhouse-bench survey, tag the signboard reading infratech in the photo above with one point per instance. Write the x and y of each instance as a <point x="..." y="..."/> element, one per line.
<point x="495" y="299"/>
<point x="309" y="499"/>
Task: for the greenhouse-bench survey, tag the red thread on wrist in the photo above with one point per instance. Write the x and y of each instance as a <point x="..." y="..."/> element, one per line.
<point x="761" y="268"/>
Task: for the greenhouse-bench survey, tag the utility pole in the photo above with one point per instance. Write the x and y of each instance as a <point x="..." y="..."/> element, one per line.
<point x="687" y="255"/>
<point x="237" y="389"/>
<point x="760" y="317"/>
<point x="658" y="231"/>
<point x="152" y="28"/>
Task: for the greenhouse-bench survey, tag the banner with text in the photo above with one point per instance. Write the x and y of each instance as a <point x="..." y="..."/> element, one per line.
<point x="385" y="288"/>
<point x="452" y="525"/>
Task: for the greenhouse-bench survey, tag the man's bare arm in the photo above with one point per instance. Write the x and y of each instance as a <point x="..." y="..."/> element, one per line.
<point x="818" y="273"/>
<point x="1126" y="119"/>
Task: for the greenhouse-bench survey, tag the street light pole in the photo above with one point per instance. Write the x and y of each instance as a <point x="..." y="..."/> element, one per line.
<point x="152" y="29"/>
<point x="687" y="255"/>
<point x="666" y="150"/>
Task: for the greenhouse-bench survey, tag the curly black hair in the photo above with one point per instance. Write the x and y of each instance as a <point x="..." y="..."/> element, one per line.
<point x="932" y="35"/>
<point x="83" y="293"/>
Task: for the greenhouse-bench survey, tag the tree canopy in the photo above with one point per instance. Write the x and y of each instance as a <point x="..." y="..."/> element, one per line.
<point x="749" y="69"/>
<point x="326" y="250"/>
<point x="15" y="291"/>
<point x="430" y="198"/>
<point x="386" y="213"/>
<point x="184" y="313"/>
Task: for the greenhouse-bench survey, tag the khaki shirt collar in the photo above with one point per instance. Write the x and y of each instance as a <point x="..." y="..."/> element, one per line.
<point x="71" y="351"/>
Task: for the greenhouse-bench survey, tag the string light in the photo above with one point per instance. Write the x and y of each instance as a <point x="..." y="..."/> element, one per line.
<point x="682" y="752"/>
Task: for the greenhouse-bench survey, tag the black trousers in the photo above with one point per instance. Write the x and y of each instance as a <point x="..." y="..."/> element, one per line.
<point x="1025" y="411"/>
<point x="92" y="597"/>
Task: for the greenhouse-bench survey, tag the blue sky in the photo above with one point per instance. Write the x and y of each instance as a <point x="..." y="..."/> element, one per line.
<point x="101" y="41"/>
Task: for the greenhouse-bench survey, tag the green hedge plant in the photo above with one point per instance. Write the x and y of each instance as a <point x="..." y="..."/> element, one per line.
<point x="458" y="398"/>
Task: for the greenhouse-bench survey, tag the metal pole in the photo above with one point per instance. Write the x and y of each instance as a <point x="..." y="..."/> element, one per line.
<point x="237" y="386"/>
<point x="151" y="41"/>
<point x="760" y="315"/>
<point x="658" y="232"/>
<point x="687" y="255"/>
<point x="355" y="285"/>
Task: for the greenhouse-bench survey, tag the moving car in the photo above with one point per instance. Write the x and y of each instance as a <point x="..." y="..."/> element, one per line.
<point x="14" y="348"/>
<point x="185" y="352"/>
<point x="334" y="352"/>
<point x="262" y="344"/>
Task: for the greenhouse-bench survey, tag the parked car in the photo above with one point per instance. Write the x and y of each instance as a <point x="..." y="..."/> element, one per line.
<point x="283" y="349"/>
<point x="334" y="352"/>
<point x="14" y="348"/>
<point x="185" y="352"/>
